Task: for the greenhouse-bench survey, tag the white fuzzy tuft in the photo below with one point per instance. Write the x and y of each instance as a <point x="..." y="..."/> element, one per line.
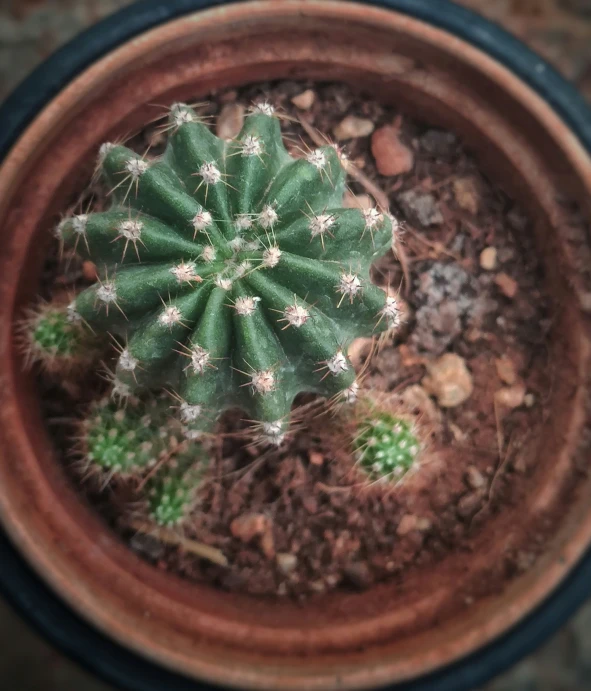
<point x="242" y="269"/>
<point x="79" y="223"/>
<point x="199" y="359"/>
<point x="251" y="146"/>
<point x="373" y="218"/>
<point x="210" y="173"/>
<point x="183" y="272"/>
<point x="189" y="413"/>
<point x="236" y="244"/>
<point x="391" y="312"/>
<point x="296" y="315"/>
<point x="320" y="224"/>
<point x="337" y="363"/>
<point x="263" y="108"/>
<point x="132" y="230"/>
<point x="120" y="389"/>
<point x="170" y="316"/>
<point x="104" y="150"/>
<point x="317" y="158"/>
<point x="127" y="361"/>
<point x="351" y="394"/>
<point x="208" y="254"/>
<point x="202" y="220"/>
<point x="271" y="257"/>
<point x="272" y="433"/>
<point x="268" y="217"/>
<point x="72" y="313"/>
<point x="181" y="114"/>
<point x="263" y="382"/>
<point x="242" y="222"/>
<point x="223" y="283"/>
<point x="253" y="245"/>
<point x="136" y="167"/>
<point x="245" y="306"/>
<point x="350" y="285"/>
<point x="107" y="292"/>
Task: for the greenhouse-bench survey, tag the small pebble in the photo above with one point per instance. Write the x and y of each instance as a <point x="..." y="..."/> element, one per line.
<point x="392" y="157"/>
<point x="469" y="505"/>
<point x="248" y="526"/>
<point x="230" y="121"/>
<point x="407" y="524"/>
<point x="316" y="458"/>
<point x="474" y="478"/>
<point x="529" y="400"/>
<point x="89" y="271"/>
<point x="507" y="285"/>
<point x="466" y="194"/>
<point x="449" y="380"/>
<point x="286" y="562"/>
<point x="488" y="259"/>
<point x="305" y="100"/>
<point x="352" y="127"/>
<point x="415" y="398"/>
<point x="511" y="396"/>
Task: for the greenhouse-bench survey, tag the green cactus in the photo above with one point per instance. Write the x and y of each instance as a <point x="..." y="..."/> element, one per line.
<point x="139" y="443"/>
<point x="230" y="271"/>
<point x="54" y="337"/>
<point x="387" y="445"/>
<point x="172" y="492"/>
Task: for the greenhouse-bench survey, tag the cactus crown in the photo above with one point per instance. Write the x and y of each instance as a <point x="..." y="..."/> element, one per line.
<point x="230" y="271"/>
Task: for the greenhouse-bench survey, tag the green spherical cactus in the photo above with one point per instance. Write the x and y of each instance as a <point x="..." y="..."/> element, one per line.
<point x="54" y="336"/>
<point x="387" y="446"/>
<point x="231" y="272"/>
<point x="125" y="441"/>
<point x="172" y="492"/>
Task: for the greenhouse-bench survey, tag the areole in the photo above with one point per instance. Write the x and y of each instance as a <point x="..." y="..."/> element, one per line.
<point x="343" y="640"/>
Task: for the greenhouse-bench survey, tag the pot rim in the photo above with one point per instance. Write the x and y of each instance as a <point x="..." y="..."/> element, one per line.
<point x="35" y="600"/>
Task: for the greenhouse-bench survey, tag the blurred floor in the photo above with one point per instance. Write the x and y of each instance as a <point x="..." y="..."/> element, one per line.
<point x="29" y="31"/>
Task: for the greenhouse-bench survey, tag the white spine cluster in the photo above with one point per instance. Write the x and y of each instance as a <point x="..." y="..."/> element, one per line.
<point x="210" y="173"/>
<point x="107" y="292"/>
<point x="271" y="257"/>
<point x="351" y="394"/>
<point x="337" y="363"/>
<point x="245" y="306"/>
<point x="296" y="315"/>
<point x="126" y="361"/>
<point x="199" y="359"/>
<point x="202" y="220"/>
<point x="251" y="146"/>
<point x="263" y="382"/>
<point x="319" y="225"/>
<point x="184" y="272"/>
<point x="268" y="217"/>
<point x="272" y="433"/>
<point x="208" y="254"/>
<point x="373" y="218"/>
<point x="136" y="167"/>
<point x="391" y="312"/>
<point x="317" y="158"/>
<point x="79" y="223"/>
<point x="242" y="222"/>
<point x="263" y="108"/>
<point x="189" y="413"/>
<point x="132" y="230"/>
<point x="223" y="282"/>
<point x="349" y="285"/>
<point x="170" y="316"/>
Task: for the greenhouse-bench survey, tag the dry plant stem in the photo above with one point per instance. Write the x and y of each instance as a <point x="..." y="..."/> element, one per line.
<point x="169" y="537"/>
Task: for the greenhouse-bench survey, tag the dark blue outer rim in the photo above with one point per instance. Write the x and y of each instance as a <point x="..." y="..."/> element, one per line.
<point x="29" y="594"/>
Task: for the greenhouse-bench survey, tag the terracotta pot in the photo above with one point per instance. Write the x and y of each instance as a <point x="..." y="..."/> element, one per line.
<point x="347" y="641"/>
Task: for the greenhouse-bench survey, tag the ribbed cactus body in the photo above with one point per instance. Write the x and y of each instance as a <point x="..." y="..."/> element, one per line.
<point x="230" y="271"/>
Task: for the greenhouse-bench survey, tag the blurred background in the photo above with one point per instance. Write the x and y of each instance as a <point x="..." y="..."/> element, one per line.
<point x="560" y="30"/>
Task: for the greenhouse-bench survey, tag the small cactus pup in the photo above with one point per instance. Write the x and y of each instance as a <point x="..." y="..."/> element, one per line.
<point x="230" y="272"/>
<point x="138" y="444"/>
<point x="54" y="336"/>
<point x="388" y="442"/>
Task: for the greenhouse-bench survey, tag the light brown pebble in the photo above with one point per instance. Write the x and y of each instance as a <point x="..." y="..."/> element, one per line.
<point x="286" y="562"/>
<point x="474" y="478"/>
<point x="507" y="285"/>
<point x="488" y="259"/>
<point x="466" y="194"/>
<point x="305" y="100"/>
<point x="449" y="380"/>
<point x="469" y="505"/>
<point x="316" y="458"/>
<point x="89" y="271"/>
<point x="359" y="349"/>
<point x="352" y="127"/>
<point x="511" y="396"/>
<point x="506" y="370"/>
<point x="416" y="398"/>
<point x="230" y="121"/>
<point x="249" y="525"/>
<point x="529" y="400"/>
<point x="392" y="157"/>
<point x="357" y="201"/>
